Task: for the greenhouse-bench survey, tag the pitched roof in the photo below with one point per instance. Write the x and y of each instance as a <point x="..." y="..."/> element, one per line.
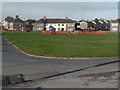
<point x="82" y="20"/>
<point x="116" y="21"/>
<point x="27" y="25"/>
<point x="55" y="20"/>
<point x="17" y="20"/>
<point x="40" y="21"/>
<point x="9" y="19"/>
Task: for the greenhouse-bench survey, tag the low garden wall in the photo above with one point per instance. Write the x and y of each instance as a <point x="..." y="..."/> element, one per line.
<point x="74" y="32"/>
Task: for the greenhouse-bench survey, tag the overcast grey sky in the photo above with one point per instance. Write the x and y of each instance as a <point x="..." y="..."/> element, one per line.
<point x="73" y="10"/>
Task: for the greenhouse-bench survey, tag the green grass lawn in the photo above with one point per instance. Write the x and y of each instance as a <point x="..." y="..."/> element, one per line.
<point x="40" y="44"/>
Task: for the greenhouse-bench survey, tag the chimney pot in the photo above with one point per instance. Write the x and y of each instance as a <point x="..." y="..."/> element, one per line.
<point x="17" y="16"/>
<point x="66" y="18"/>
<point x="44" y="17"/>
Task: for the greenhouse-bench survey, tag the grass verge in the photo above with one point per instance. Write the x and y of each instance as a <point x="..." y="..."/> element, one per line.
<point x="40" y="44"/>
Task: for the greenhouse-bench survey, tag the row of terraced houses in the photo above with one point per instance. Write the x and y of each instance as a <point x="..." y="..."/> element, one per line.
<point x="66" y="24"/>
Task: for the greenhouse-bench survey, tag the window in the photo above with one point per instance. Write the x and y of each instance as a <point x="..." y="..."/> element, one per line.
<point x="58" y="24"/>
<point x="58" y="29"/>
<point x="52" y="24"/>
<point x="69" y="24"/>
<point x="40" y="28"/>
<point x="70" y="29"/>
<point x="114" y="29"/>
<point x="114" y="24"/>
<point x="62" y="24"/>
<point x="62" y="29"/>
<point x="47" y="24"/>
<point x="41" y="24"/>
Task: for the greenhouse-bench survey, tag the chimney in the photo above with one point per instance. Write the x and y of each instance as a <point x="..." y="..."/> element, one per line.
<point x="66" y="18"/>
<point x="17" y="16"/>
<point x="45" y="18"/>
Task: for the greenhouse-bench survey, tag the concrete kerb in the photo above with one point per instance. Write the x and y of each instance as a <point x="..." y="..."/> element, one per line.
<point x="55" y="57"/>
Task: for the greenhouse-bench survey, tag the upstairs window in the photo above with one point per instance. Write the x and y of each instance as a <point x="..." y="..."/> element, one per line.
<point x="69" y="24"/>
<point x="114" y="24"/>
<point x="41" y="24"/>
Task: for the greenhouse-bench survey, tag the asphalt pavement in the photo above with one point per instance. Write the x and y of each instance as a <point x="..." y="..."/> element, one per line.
<point x="15" y="62"/>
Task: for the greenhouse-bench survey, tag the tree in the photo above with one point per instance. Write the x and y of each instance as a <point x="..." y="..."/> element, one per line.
<point x="30" y="21"/>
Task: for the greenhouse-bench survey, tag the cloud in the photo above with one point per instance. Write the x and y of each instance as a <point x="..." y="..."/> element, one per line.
<point x="81" y="7"/>
<point x="54" y="9"/>
<point x="61" y="1"/>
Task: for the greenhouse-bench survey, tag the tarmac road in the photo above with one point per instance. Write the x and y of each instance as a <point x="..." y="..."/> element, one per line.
<point x="15" y="62"/>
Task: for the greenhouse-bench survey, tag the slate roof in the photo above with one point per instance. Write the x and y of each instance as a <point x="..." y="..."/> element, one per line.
<point x="17" y="20"/>
<point x="115" y="21"/>
<point x="118" y="20"/>
<point x="55" y="21"/>
<point x="40" y="21"/>
<point x="9" y="19"/>
<point x="83" y="21"/>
